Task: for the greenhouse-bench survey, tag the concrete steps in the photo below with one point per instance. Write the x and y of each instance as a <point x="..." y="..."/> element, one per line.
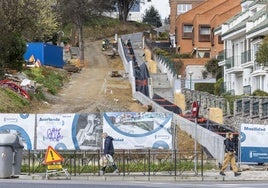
<point x="160" y="80"/>
<point x="161" y="86"/>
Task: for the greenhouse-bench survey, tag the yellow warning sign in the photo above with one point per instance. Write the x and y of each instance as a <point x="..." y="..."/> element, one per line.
<point x="52" y="156"/>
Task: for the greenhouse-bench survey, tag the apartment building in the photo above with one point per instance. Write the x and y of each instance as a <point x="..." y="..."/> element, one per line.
<point x="178" y="7"/>
<point x="194" y="30"/>
<point x="242" y="35"/>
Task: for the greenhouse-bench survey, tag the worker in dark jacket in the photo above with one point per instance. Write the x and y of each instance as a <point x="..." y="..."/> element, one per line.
<point x="108" y="153"/>
<point x="229" y="156"/>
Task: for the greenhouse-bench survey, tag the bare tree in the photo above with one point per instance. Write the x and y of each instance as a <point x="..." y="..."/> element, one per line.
<point x="78" y="12"/>
<point x="124" y="6"/>
<point x="100" y="6"/>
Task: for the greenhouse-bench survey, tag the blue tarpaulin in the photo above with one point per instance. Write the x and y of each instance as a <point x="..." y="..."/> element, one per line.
<point x="141" y="74"/>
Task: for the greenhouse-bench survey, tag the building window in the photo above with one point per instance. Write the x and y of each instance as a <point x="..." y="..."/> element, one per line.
<point x="220" y="41"/>
<point x="204" y="33"/>
<point x="187" y="31"/>
<point x="203" y="54"/>
<point x="182" y="8"/>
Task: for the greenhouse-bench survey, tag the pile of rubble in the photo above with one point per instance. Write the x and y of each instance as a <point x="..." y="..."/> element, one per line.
<point x="20" y="84"/>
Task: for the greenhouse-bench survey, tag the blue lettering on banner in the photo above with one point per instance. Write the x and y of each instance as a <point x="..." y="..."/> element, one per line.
<point x="11" y="119"/>
<point x="54" y="134"/>
<point x="254" y="129"/>
<point x="254" y="154"/>
<point x="49" y="119"/>
<point x="138" y="146"/>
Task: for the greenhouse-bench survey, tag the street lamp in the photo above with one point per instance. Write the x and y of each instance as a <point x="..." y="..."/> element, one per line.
<point x="190" y="74"/>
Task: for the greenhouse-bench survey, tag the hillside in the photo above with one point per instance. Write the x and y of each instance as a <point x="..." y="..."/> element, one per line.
<point x="96" y="29"/>
<point x="91" y="90"/>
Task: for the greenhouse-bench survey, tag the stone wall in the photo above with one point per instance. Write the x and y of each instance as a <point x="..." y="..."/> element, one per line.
<point x="250" y="110"/>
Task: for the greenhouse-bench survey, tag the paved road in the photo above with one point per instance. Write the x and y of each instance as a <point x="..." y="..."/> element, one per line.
<point x="129" y="184"/>
<point x="248" y="179"/>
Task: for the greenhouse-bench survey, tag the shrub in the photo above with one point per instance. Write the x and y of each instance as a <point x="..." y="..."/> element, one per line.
<point x="52" y="79"/>
<point x="205" y="87"/>
<point x="259" y="93"/>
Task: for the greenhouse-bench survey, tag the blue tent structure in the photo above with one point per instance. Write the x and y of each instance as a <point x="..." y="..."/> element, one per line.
<point x="48" y="54"/>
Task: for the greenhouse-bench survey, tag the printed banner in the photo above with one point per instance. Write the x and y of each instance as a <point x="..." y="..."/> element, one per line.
<point x="69" y="131"/>
<point x="21" y="124"/>
<point x="254" y="147"/>
<point x="139" y="130"/>
<point x="88" y="131"/>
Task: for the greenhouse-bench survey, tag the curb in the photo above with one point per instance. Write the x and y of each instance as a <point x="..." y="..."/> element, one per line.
<point x="212" y="176"/>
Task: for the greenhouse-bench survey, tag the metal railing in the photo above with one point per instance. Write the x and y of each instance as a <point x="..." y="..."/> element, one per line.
<point x="130" y="162"/>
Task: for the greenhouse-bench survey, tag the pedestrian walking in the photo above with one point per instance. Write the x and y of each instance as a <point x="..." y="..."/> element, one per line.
<point x="108" y="153"/>
<point x="229" y="156"/>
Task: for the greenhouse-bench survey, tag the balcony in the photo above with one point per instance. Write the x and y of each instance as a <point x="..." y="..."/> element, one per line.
<point x="258" y="70"/>
<point x="246" y="59"/>
<point x="233" y="65"/>
<point x="221" y="55"/>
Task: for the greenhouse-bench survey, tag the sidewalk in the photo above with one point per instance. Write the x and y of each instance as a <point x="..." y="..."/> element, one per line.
<point x="209" y="176"/>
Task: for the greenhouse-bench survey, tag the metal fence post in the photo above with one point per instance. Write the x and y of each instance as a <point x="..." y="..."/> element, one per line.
<point x="124" y="163"/>
<point x="202" y="162"/>
<point x="149" y="164"/>
<point x="175" y="162"/>
<point x="29" y="162"/>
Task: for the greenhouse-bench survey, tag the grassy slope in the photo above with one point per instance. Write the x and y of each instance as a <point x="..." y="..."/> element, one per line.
<point x="101" y="27"/>
<point x="11" y="102"/>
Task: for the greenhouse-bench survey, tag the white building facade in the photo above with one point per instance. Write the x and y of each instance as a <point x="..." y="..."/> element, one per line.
<point x="242" y="35"/>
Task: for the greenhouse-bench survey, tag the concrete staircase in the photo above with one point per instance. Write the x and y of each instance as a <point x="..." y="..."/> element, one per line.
<point x="161" y="86"/>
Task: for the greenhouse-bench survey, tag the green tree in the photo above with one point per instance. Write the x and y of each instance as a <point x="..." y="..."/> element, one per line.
<point x="20" y="21"/>
<point x="178" y="65"/>
<point x="12" y="49"/>
<point x="213" y="68"/>
<point x="262" y="53"/>
<point x="219" y="87"/>
<point x="152" y="17"/>
<point x="100" y="6"/>
<point x="32" y="19"/>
